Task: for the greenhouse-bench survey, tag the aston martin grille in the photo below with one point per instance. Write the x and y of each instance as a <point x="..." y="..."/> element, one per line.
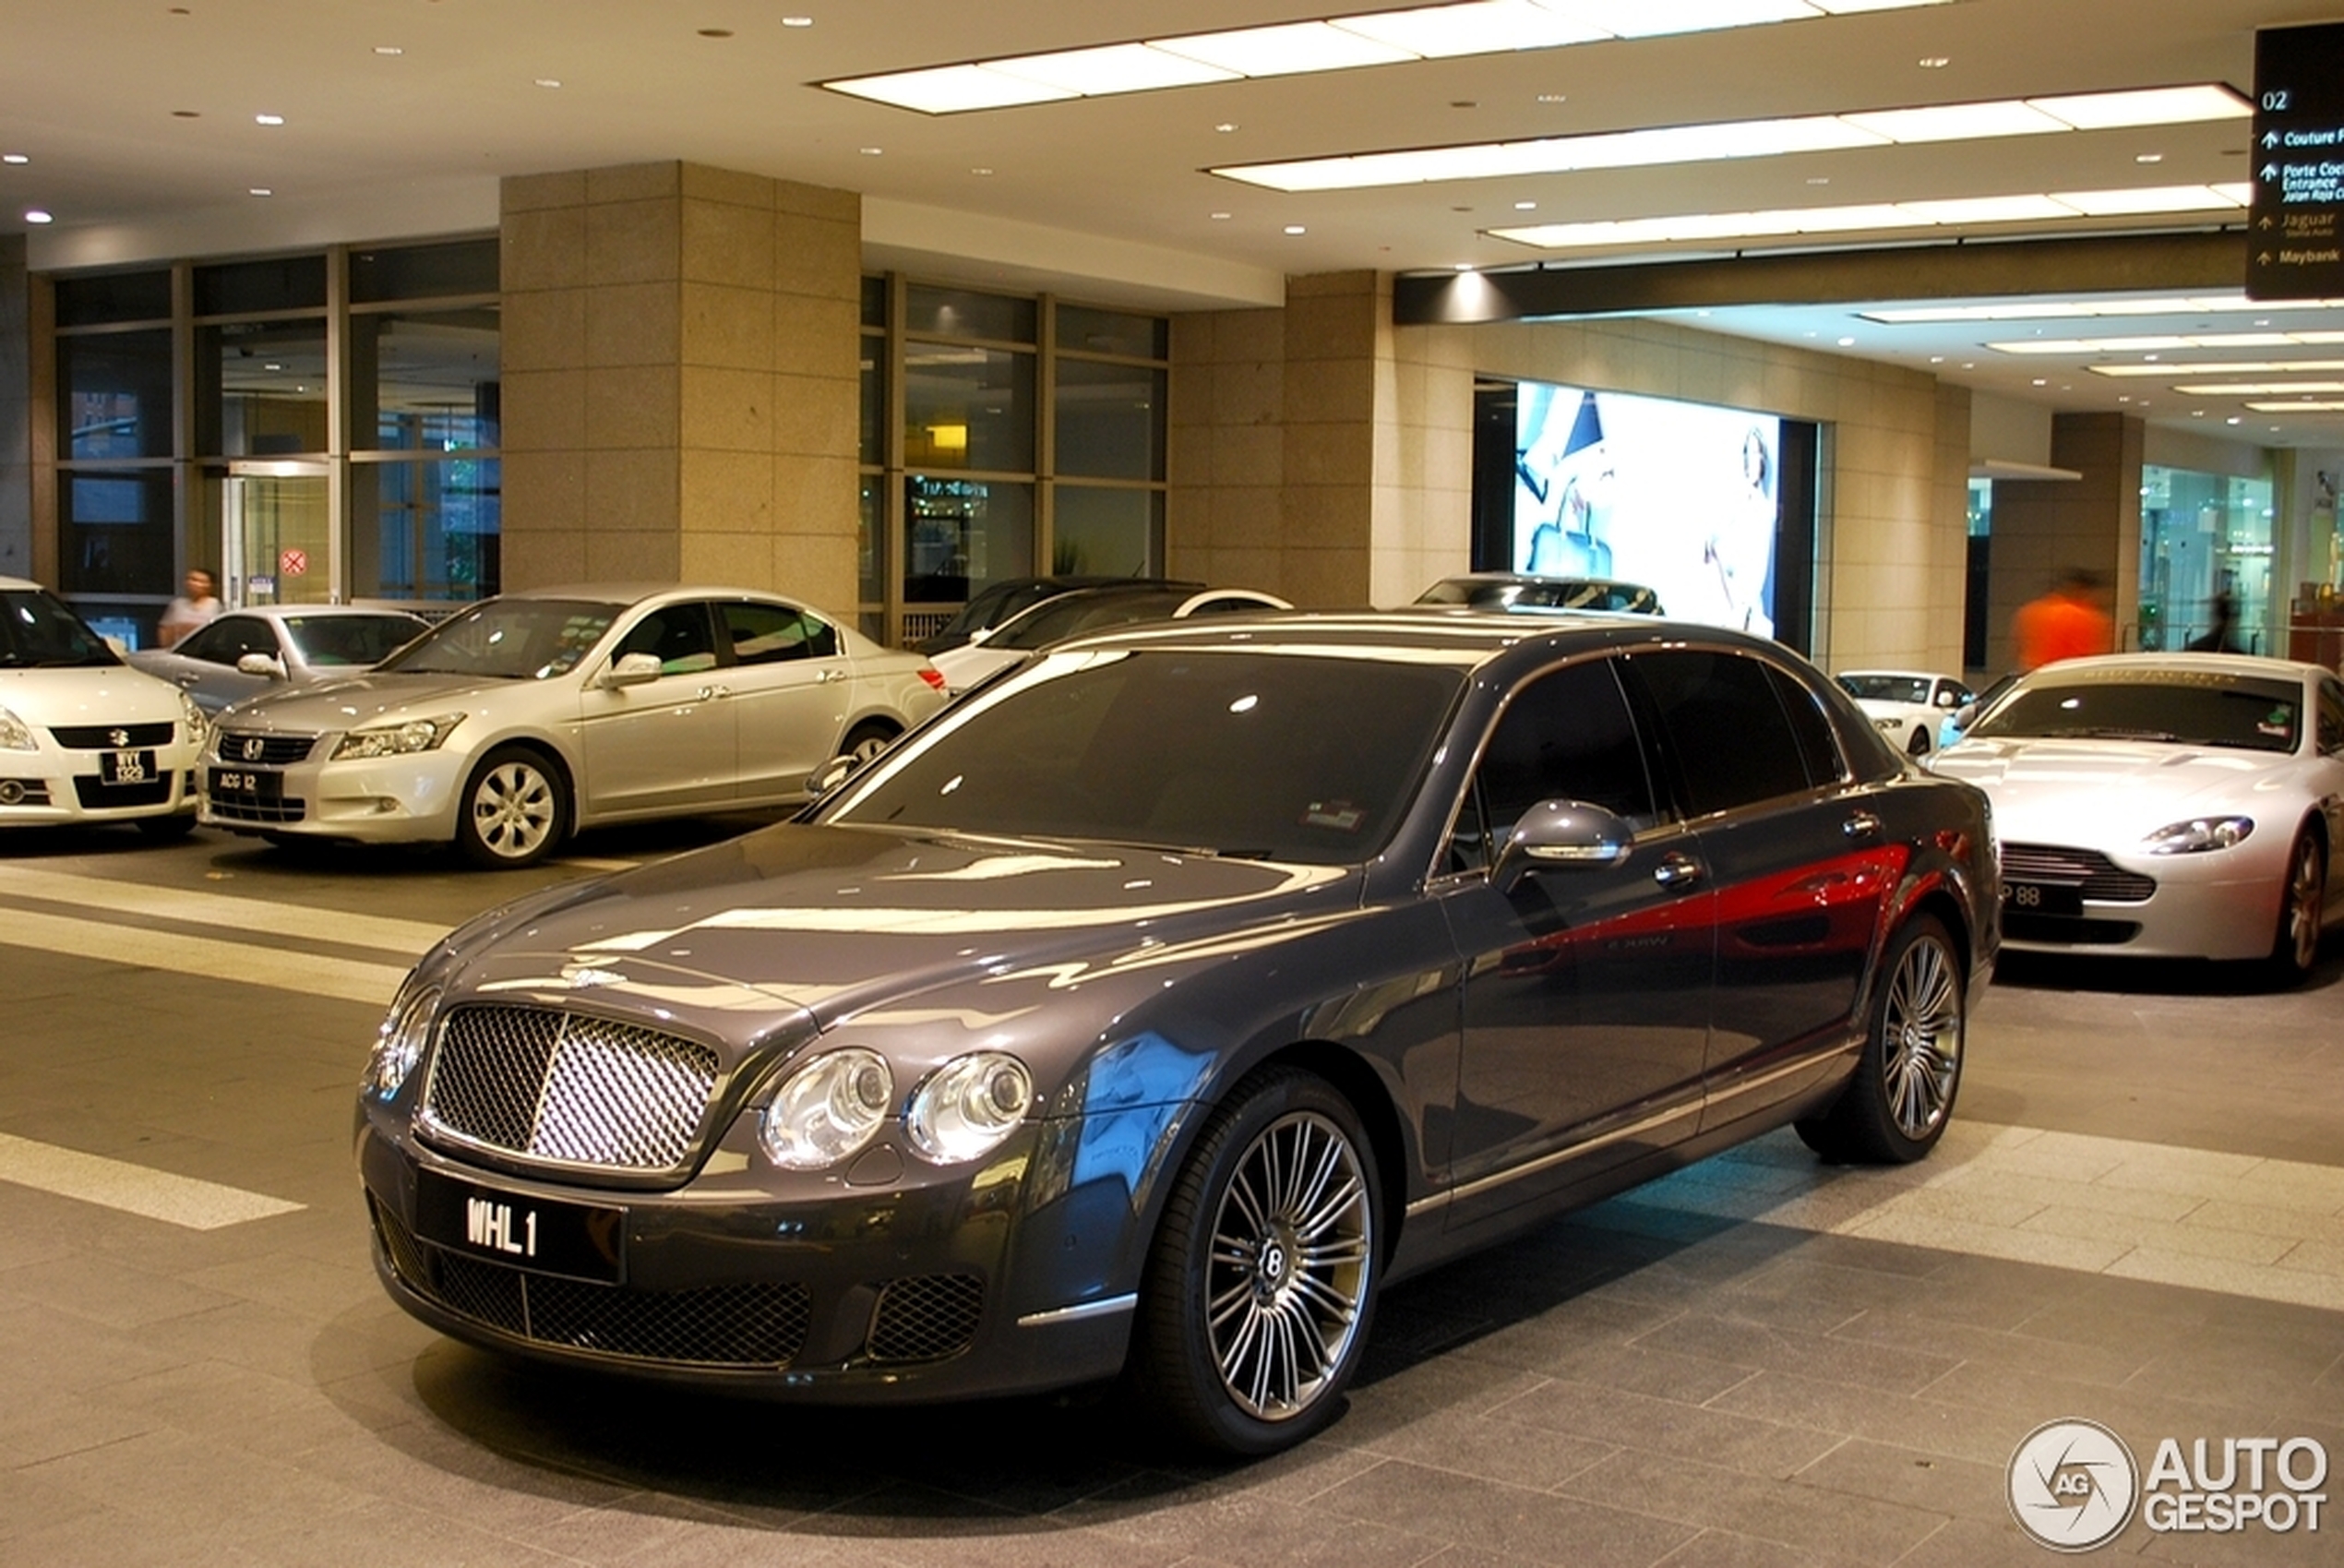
<point x="555" y="1085"/>
<point x="760" y="1324"/>
<point x="926" y="1317"/>
<point x="2101" y="879"/>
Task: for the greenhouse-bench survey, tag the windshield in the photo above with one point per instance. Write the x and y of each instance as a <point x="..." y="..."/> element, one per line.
<point x="37" y="632"/>
<point x="1886" y="688"/>
<point x="509" y="639"/>
<point x="2191" y="707"/>
<point x="336" y="641"/>
<point x="1063" y="616"/>
<point x="1243" y="754"/>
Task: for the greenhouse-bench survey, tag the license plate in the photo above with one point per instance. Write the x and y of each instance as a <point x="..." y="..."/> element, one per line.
<point x="576" y="1241"/>
<point x="2042" y="898"/>
<point x="248" y="784"/>
<point x="125" y="767"/>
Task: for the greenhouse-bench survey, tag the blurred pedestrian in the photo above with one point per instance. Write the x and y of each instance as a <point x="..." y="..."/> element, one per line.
<point x="2222" y="637"/>
<point x="198" y="607"/>
<point x="2066" y="623"/>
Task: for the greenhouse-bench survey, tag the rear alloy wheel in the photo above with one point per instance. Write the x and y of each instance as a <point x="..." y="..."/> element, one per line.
<point x="514" y="810"/>
<point x="1895" y="1107"/>
<point x="2303" y="898"/>
<point x="868" y="739"/>
<point x="1262" y="1279"/>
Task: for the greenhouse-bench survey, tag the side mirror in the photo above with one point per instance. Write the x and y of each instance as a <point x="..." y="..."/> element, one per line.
<point x="1562" y="835"/>
<point x="632" y="669"/>
<point x="826" y="779"/>
<point x="976" y="637"/>
<point x="261" y="665"/>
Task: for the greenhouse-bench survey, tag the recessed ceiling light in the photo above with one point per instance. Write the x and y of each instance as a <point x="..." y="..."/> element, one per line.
<point x="1846" y="342"/>
<point x="1220" y="217"/>
<point x="980" y="171"/>
<point x="389" y="49"/>
<point x="798" y="21"/>
<point x="1296" y="229"/>
<point x="2124" y="400"/>
<point x="1526" y="207"/>
<point x="261" y="190"/>
<point x="1936" y="359"/>
<point x="272" y="365"/>
<point x="1934" y="62"/>
<point x="870" y="152"/>
<point x="2234" y="419"/>
<point x="36" y="215"/>
<point x="549" y="82"/>
<point x="14" y="158"/>
<point x="1225" y="127"/>
<point x="268" y="119"/>
<point x="1465" y="266"/>
<point x="2149" y="158"/>
<point x="1820" y="180"/>
<point x="1554" y="97"/>
<point x="2040" y="382"/>
<point x="1969" y="365"/>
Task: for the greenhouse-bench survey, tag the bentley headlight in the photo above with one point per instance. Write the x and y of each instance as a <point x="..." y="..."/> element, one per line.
<point x="15" y="733"/>
<point x="397" y="740"/>
<point x="198" y="723"/>
<point x="398" y="1044"/>
<point x="967" y="1106"/>
<point x="2199" y="834"/>
<point x="827" y="1109"/>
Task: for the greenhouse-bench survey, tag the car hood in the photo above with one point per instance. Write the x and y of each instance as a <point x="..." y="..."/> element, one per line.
<point x="346" y="703"/>
<point x="834" y="920"/>
<point x="106" y="694"/>
<point x="2104" y="792"/>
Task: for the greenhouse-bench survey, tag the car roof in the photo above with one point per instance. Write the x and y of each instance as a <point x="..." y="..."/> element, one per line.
<point x="2250" y="665"/>
<point x="1907" y="675"/>
<point x="628" y="594"/>
<point x="1459" y="638"/>
<point x="284" y="612"/>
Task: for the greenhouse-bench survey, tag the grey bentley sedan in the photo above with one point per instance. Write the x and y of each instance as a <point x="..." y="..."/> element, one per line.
<point x="1146" y="1013"/>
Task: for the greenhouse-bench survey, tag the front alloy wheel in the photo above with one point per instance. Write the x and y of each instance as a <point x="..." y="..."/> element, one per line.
<point x="2303" y="898"/>
<point x="512" y="810"/>
<point x="1895" y="1107"/>
<point x="1261" y="1280"/>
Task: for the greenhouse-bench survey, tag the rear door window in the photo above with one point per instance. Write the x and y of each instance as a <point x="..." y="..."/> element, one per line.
<point x="772" y="634"/>
<point x="1729" y="740"/>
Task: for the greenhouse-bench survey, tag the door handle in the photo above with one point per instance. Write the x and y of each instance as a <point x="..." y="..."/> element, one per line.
<point x="711" y="693"/>
<point x="1862" y="825"/>
<point x="829" y="675"/>
<point x="1676" y="871"/>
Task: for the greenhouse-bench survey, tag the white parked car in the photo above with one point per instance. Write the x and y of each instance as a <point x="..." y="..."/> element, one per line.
<point x="1087" y="609"/>
<point x="524" y="718"/>
<point x="83" y="736"/>
<point x="2165" y="806"/>
<point x="1904" y="706"/>
<point x="248" y="651"/>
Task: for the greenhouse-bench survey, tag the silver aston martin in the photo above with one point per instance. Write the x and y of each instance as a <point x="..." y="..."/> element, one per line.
<point x="2165" y="806"/>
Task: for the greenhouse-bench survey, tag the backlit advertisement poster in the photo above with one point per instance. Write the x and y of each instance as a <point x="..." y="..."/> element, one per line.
<point x="1682" y="497"/>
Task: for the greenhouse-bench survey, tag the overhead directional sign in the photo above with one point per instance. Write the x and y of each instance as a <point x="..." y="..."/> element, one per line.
<point x="2297" y="218"/>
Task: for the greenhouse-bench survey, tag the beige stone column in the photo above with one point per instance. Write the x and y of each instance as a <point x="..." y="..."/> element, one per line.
<point x="680" y="382"/>
<point x="2044" y="526"/>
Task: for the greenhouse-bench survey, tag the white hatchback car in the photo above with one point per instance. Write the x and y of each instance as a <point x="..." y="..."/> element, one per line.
<point x="1904" y="706"/>
<point x="514" y="722"/>
<point x="83" y="736"/>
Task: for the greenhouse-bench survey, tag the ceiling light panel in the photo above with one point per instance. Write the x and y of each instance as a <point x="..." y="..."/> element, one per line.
<point x="2255" y="389"/>
<point x="1957" y="122"/>
<point x="2220" y="367"/>
<point x="1990" y="209"/>
<point x="1375" y="37"/>
<point x="2161" y="199"/>
<point x="2161" y="345"/>
<point x="2147" y="106"/>
<point x="2313" y="407"/>
<point x="2041" y="310"/>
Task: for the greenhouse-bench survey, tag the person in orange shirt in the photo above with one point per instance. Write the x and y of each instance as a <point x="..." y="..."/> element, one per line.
<point x="2066" y="623"/>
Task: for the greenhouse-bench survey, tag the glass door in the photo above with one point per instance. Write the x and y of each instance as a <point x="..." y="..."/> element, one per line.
<point x="276" y="531"/>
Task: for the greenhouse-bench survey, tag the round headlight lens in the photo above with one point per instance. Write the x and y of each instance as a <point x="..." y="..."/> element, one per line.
<point x="827" y="1109"/>
<point x="2199" y="836"/>
<point x="398" y="1044"/>
<point x="968" y="1105"/>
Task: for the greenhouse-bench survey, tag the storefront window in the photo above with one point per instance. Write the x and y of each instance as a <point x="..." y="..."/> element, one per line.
<point x="425" y="530"/>
<point x="961" y="535"/>
<point x="2203" y="535"/>
<point x="424" y="380"/>
<point x="114" y="395"/>
<point x="968" y="408"/>
<point x="260" y="388"/>
<point x="1104" y="532"/>
<point x="1110" y="420"/>
<point x="117" y="531"/>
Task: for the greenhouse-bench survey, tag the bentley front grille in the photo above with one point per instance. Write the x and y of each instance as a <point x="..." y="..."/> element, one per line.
<point x="2101" y="880"/>
<point x="925" y="1317"/>
<point x="552" y="1085"/>
<point x="756" y="1324"/>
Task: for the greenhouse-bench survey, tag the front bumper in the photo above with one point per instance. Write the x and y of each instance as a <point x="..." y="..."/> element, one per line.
<point x="407" y="799"/>
<point x="930" y="1285"/>
<point x="55" y="786"/>
<point x="2222" y="905"/>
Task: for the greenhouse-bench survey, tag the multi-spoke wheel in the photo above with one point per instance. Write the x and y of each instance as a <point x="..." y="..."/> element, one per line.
<point x="2302" y="899"/>
<point x="1896" y="1104"/>
<point x="514" y="810"/>
<point x="868" y="739"/>
<point x="1263" y="1276"/>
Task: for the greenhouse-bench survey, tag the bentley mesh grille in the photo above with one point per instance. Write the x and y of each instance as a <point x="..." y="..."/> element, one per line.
<point x="761" y="1324"/>
<point x="2102" y="880"/>
<point x="925" y="1318"/>
<point x="557" y="1085"/>
<point x="265" y="750"/>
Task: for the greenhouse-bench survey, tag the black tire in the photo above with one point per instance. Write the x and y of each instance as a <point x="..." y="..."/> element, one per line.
<point x="1919" y="745"/>
<point x="514" y="810"/>
<point x="167" y="829"/>
<point x="1282" y="1178"/>
<point x="868" y="739"/>
<point x="2303" y="896"/>
<point x="1896" y="1104"/>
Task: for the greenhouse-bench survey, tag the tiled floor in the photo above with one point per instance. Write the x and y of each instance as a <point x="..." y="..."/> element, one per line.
<point x="2139" y="1221"/>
